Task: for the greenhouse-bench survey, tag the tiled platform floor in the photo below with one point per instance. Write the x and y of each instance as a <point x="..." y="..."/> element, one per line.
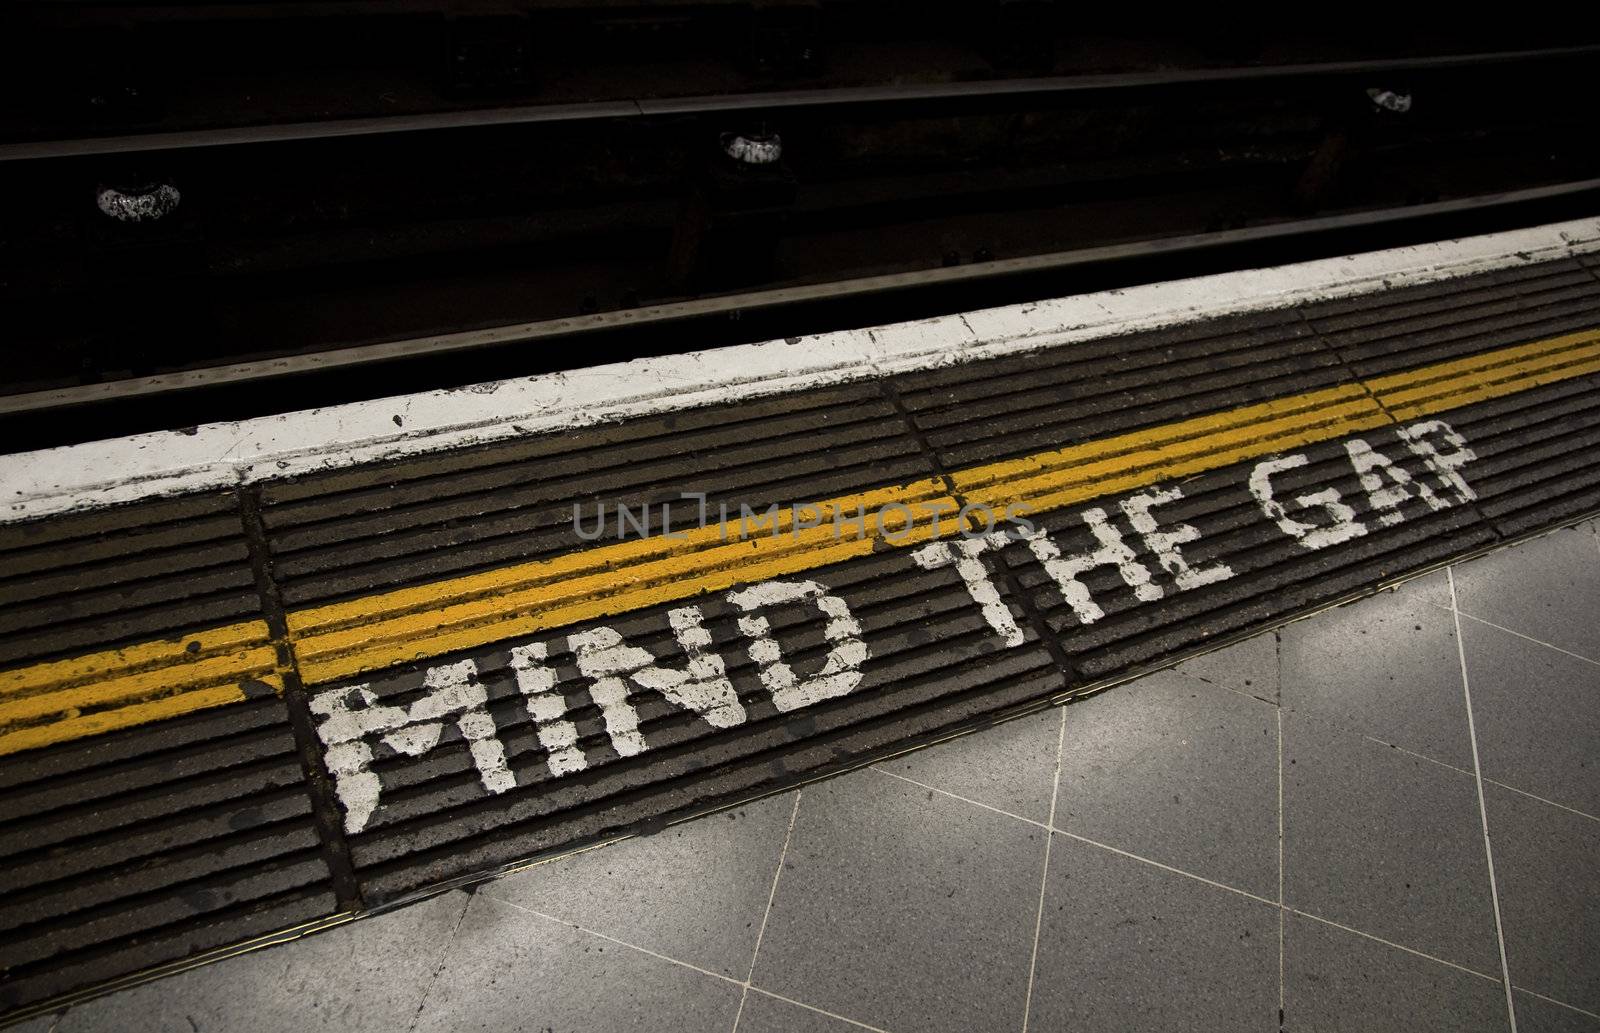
<point x="1289" y="834"/>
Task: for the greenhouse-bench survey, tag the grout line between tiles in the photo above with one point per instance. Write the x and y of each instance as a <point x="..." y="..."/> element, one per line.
<point x="1169" y="868"/>
<point x="819" y="1011"/>
<point x="621" y="943"/>
<point x="1552" y="803"/>
<point x="1044" y="875"/>
<point x="1518" y="634"/>
<point x="772" y="894"/>
<point x="963" y="799"/>
<point x="1282" y="908"/>
<point x="744" y="984"/>
<point x="1489" y="781"/>
<point x="1419" y="756"/>
<point x="1483" y="810"/>
<point x="444" y="959"/>
<point x="1559" y="1004"/>
<point x="1390" y="943"/>
<point x="1178" y="670"/>
<point x="748" y="984"/>
<point x="1280" y="858"/>
<point x="1081" y="839"/>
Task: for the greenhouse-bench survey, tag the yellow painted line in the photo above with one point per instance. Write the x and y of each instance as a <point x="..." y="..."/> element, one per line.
<point x="157" y="680"/>
<point x="130" y="659"/>
<point x="1065" y="477"/>
<point x="234" y="667"/>
<point x="1480" y="378"/>
<point x="430" y="597"/>
<point x="35" y="736"/>
<point x="492" y="619"/>
<point x="61" y="700"/>
<point x="367" y="633"/>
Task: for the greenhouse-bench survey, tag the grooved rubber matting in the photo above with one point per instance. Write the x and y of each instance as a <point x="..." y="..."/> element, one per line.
<point x="229" y="715"/>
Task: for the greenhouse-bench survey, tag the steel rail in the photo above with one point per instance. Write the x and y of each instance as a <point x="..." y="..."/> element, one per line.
<point x="822" y="97"/>
<point x="469" y="340"/>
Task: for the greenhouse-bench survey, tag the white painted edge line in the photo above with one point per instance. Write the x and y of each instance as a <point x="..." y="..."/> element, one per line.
<point x="216" y="455"/>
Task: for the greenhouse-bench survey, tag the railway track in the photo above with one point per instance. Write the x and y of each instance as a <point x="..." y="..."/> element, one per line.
<point x="312" y="261"/>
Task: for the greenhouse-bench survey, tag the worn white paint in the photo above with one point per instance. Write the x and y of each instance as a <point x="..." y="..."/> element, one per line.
<point x="612" y="663"/>
<point x="1342" y="524"/>
<point x="1423" y="439"/>
<point x="1066" y="571"/>
<point x="1164" y="542"/>
<point x="351" y="716"/>
<point x="1111" y="551"/>
<point x="222" y="454"/>
<point x="964" y="553"/>
<point x="841" y="671"/>
<point x="1387" y="486"/>
<point x="548" y="709"/>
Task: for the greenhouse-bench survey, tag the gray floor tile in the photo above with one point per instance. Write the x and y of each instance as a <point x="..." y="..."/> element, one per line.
<point x="512" y="972"/>
<point x="1547" y="868"/>
<point x="763" y="1014"/>
<point x="368" y="975"/>
<point x="1385" y="843"/>
<point x="695" y="892"/>
<point x="1540" y="1016"/>
<point x="904" y="909"/>
<point x="1125" y="946"/>
<point x="1010" y="766"/>
<point x="1548" y="588"/>
<point x="1387" y="667"/>
<point x="1179" y="771"/>
<point x="1337" y="982"/>
<point x="1537" y="713"/>
<point x="1250" y="667"/>
<point x="42" y="1024"/>
<point x="1431" y="588"/>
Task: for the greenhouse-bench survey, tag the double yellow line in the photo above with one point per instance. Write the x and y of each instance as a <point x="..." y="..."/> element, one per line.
<point x="68" y="699"/>
<point x="117" y="688"/>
